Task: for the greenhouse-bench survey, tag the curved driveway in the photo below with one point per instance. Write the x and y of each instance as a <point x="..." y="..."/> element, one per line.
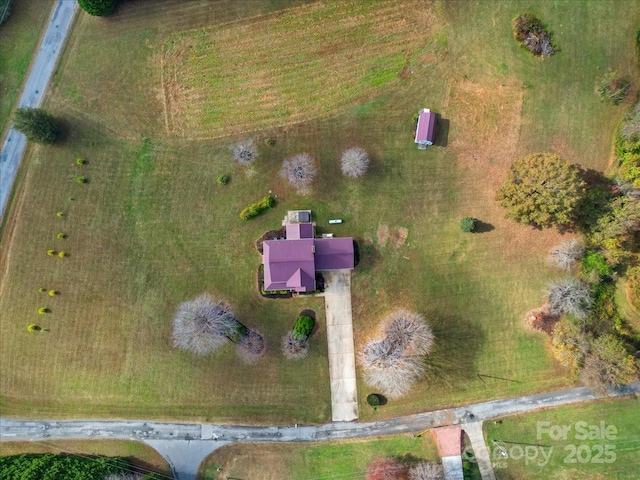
<point x="184" y="445"/>
<point x="37" y="82"/>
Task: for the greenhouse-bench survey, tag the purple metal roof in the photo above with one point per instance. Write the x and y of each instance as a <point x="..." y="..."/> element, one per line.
<point x="426" y="129"/>
<point x="334" y="253"/>
<point x="299" y="230"/>
<point x="289" y="264"/>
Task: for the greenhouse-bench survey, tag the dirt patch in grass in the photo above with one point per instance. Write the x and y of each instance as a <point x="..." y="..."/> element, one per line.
<point x="399" y="236"/>
<point x="540" y="319"/>
<point x="382" y="234"/>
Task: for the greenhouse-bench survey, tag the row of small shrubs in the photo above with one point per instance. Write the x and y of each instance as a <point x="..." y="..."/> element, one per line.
<point x="258" y="207"/>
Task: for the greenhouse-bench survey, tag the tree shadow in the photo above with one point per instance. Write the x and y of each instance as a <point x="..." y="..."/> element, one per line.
<point x="456" y="344"/>
<point x="483" y="227"/>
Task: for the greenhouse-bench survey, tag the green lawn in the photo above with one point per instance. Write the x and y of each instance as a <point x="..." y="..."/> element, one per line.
<point x="344" y="459"/>
<point x="592" y="441"/>
<point x="152" y="227"/>
<point x="19" y="37"/>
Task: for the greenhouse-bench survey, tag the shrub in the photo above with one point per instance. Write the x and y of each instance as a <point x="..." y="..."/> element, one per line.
<point x="80" y="161"/>
<point x="633" y="286"/>
<point x="37" y="125"/>
<point x="532" y="35"/>
<point x="468" y="224"/>
<point x="51" y="253"/>
<point x="52" y="293"/>
<point x="81" y="180"/>
<point x="594" y="261"/>
<point x="269" y="142"/>
<point x="299" y="171"/>
<point x="608" y="364"/>
<point x="613" y="88"/>
<point x="223" y="179"/>
<point x="245" y="152"/>
<point x="33" y="328"/>
<point x="59" y="214"/>
<point x="42" y="290"/>
<point x="61" y="236"/>
<point x="571" y="296"/>
<point x="98" y="8"/>
<point x="304" y="327"/>
<point x="294" y="348"/>
<point x="386" y="469"/>
<point x="426" y="471"/>
<point x="373" y="400"/>
<point x="354" y="162"/>
<point x="257" y="208"/>
<point x="566" y="254"/>
<point x="569" y="344"/>
<point x="43" y="310"/>
<point x="63" y="254"/>
<point x="250" y="346"/>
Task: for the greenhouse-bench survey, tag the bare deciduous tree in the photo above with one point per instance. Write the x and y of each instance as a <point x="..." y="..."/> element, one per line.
<point x="566" y="254"/>
<point x="250" y="346"/>
<point x="245" y="151"/>
<point x="409" y="331"/>
<point x="299" y="170"/>
<point x="426" y="471"/>
<point x="571" y="296"/>
<point x="354" y="162"/>
<point x="394" y="363"/>
<point x="386" y="469"/>
<point x="294" y="348"/>
<point x="203" y="324"/>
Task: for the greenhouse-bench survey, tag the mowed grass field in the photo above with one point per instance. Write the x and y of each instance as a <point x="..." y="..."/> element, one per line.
<point x="574" y="440"/>
<point x="151" y="228"/>
<point x="142" y="457"/>
<point x="19" y="36"/>
<point x="344" y="459"/>
<point x="288" y="67"/>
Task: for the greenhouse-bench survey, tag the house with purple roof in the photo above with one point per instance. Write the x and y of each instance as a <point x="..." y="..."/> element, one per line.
<point x="291" y="263"/>
<point x="425" y="129"/>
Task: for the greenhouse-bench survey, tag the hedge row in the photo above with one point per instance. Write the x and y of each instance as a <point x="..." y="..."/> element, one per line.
<point x="53" y="467"/>
<point x="257" y="208"/>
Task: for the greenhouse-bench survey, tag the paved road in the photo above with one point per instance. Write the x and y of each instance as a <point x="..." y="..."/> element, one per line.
<point x="342" y="360"/>
<point x="185" y="434"/>
<point x="46" y="59"/>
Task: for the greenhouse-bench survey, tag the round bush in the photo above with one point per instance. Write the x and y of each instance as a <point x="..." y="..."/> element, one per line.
<point x="43" y="310"/>
<point x="33" y="328"/>
<point x="59" y="214"/>
<point x="81" y="180"/>
<point x="51" y="252"/>
<point x="61" y="236"/>
<point x="62" y="254"/>
<point x="373" y="400"/>
<point x="52" y="293"/>
<point x="223" y="179"/>
<point x="304" y="327"/>
<point x="80" y="161"/>
<point x="468" y="224"/>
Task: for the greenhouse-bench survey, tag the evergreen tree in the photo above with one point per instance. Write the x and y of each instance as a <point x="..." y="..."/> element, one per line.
<point x="37" y="125"/>
<point x="99" y="8"/>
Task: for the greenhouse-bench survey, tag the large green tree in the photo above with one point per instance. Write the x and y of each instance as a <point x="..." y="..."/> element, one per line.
<point x="99" y="8"/>
<point x="542" y="190"/>
<point x="37" y="125"/>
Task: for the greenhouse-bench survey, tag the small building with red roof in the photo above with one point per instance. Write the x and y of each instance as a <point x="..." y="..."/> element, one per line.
<point x="425" y="128"/>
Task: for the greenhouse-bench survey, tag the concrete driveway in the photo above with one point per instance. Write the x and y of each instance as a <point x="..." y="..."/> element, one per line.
<point x="342" y="361"/>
